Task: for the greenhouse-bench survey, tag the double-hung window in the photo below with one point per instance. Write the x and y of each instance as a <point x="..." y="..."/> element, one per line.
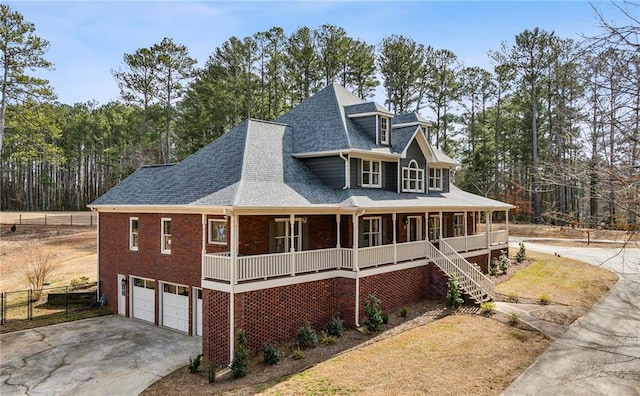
<point x="435" y="179"/>
<point x="458" y="224"/>
<point x="434" y="227"/>
<point x="133" y="233"/>
<point x="217" y="231"/>
<point x="165" y="239"/>
<point x="372" y="231"/>
<point x="371" y="173"/>
<point x="283" y="235"/>
<point x="412" y="178"/>
<point x="383" y="129"/>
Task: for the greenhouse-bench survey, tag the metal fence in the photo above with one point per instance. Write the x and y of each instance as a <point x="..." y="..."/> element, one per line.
<point x="49" y="218"/>
<point x="30" y="304"/>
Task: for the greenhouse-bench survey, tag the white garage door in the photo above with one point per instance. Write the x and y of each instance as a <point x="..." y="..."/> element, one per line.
<point x="175" y="307"/>
<point x="198" y="311"/>
<point x="143" y="299"/>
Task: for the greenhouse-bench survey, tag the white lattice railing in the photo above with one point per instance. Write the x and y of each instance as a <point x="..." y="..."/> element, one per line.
<point x="376" y="255"/>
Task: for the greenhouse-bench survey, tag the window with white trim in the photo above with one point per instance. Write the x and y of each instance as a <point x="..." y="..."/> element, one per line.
<point x="371" y="176"/>
<point x="383" y="130"/>
<point x="218" y="231"/>
<point x="133" y="233"/>
<point x="458" y="224"/>
<point x="434" y="227"/>
<point x="283" y="235"/>
<point x="435" y="178"/>
<point x="165" y="232"/>
<point x="412" y="178"/>
<point x="372" y="231"/>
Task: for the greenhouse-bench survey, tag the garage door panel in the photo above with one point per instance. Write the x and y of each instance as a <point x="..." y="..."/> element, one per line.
<point x="175" y="307"/>
<point x="144" y="296"/>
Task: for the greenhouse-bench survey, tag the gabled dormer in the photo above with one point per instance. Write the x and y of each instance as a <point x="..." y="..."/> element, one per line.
<point x="374" y="120"/>
<point x="413" y="119"/>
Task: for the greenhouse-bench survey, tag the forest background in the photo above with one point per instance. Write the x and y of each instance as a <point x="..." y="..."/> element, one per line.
<point x="553" y="127"/>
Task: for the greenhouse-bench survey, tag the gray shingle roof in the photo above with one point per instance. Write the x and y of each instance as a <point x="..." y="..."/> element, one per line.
<point x="407" y="118"/>
<point x="367" y="107"/>
<point x="401" y="137"/>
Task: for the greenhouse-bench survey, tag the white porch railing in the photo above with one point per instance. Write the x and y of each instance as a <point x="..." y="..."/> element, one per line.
<point x="478" y="283"/>
<point x="468" y="243"/>
<point x="376" y="255"/>
<point x="411" y="250"/>
<point x="499" y="237"/>
<point x="216" y="266"/>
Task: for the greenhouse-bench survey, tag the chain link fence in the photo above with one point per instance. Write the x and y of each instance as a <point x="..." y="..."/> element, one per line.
<point x="49" y="301"/>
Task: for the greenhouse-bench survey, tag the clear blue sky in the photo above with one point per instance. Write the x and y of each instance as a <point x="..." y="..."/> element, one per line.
<point x="88" y="38"/>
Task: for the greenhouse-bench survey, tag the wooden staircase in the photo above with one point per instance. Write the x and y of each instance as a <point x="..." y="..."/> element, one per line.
<point x="470" y="278"/>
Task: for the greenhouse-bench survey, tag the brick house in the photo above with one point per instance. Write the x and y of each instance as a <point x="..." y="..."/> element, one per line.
<point x="278" y="223"/>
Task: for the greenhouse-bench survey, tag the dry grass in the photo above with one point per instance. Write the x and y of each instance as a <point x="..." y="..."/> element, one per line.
<point x="566" y="281"/>
<point x="460" y="354"/>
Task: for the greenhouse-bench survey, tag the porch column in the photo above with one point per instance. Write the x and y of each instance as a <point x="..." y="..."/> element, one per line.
<point x="488" y="227"/>
<point x="356" y="240"/>
<point x="466" y="232"/>
<point x="338" y="231"/>
<point x="233" y="281"/>
<point x="292" y="238"/>
<point x="440" y="217"/>
<point x="395" y="245"/>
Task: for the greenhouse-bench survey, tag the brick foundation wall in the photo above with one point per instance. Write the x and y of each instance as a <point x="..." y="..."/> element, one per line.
<point x="276" y="314"/>
<point x="182" y="266"/>
<point x="215" y="326"/>
<point x="394" y="289"/>
<point x="481" y="261"/>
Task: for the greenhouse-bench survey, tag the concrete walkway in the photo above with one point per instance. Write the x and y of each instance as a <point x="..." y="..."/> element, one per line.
<point x="599" y="354"/>
<point x="109" y="355"/>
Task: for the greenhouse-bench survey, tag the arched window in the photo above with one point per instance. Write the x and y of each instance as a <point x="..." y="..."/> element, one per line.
<point x="412" y="178"/>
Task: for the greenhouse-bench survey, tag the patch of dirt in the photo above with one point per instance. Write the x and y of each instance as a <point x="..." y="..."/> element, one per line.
<point x="559" y="315"/>
<point x="73" y="249"/>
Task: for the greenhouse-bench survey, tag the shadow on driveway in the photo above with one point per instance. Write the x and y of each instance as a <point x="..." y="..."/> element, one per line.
<point x="97" y="356"/>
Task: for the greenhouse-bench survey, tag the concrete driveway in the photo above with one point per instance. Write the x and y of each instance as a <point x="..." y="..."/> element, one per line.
<point x="599" y="354"/>
<point x="106" y="355"/>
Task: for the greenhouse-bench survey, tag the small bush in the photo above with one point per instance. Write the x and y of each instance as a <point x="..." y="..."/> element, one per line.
<point x="212" y="373"/>
<point x="270" y="354"/>
<point x="194" y="363"/>
<point x="513" y="296"/>
<point x="373" y="313"/>
<point x="385" y="318"/>
<point x="544" y="299"/>
<point x="335" y="327"/>
<point x="454" y="297"/>
<point x="307" y="336"/>
<point x="13" y="228"/>
<point x="488" y="307"/>
<point x="404" y="312"/>
<point x="503" y="262"/>
<point x="327" y="339"/>
<point x="522" y="253"/>
<point x="298" y="354"/>
<point x="493" y="267"/>
<point x="74" y="283"/>
<point x="240" y="362"/>
<point x="513" y="318"/>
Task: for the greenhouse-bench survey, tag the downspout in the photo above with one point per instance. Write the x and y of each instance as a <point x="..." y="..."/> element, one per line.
<point x="204" y="252"/>
<point x="98" y="290"/>
<point x="347" y="172"/>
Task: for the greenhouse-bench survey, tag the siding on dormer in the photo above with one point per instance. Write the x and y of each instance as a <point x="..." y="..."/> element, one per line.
<point x="368" y="126"/>
<point x="390" y="176"/>
<point x="330" y="170"/>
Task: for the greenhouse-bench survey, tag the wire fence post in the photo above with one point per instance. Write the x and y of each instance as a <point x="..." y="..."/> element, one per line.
<point x="2" y="307"/>
<point x="66" y="300"/>
<point x="30" y="304"/>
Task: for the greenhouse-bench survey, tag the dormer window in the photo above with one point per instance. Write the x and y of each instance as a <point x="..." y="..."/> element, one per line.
<point x="383" y="130"/>
<point x="412" y="178"/>
<point x="435" y="179"/>
<point x="371" y="174"/>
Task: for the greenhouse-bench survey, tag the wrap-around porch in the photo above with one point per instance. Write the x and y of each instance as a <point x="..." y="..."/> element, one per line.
<point x="261" y="247"/>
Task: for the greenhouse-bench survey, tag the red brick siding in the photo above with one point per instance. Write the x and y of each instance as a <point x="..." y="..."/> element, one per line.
<point x="437" y="283"/>
<point x="394" y="289"/>
<point x="215" y="326"/>
<point x="182" y="266"/>
<point x="276" y="314"/>
<point x="322" y="232"/>
<point x="254" y="234"/>
<point x="346" y="231"/>
<point x="481" y="261"/>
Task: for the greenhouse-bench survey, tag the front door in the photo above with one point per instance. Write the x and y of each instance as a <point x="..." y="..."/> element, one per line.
<point x="122" y="295"/>
<point x="414" y="228"/>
